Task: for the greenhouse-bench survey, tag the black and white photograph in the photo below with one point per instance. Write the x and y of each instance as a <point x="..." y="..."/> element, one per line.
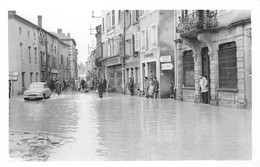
<point x="160" y="85"/>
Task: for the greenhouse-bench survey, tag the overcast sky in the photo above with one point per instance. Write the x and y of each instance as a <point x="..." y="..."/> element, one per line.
<point x="61" y="14"/>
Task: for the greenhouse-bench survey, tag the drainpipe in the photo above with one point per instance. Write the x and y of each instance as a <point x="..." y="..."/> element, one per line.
<point x="123" y="61"/>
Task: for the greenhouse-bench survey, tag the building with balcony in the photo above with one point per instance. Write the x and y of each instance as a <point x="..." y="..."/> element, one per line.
<point x="217" y="44"/>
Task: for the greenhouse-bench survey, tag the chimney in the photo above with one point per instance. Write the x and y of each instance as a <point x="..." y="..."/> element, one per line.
<point x="68" y="35"/>
<point x="59" y="31"/>
<point x="11" y="12"/>
<point x="40" y="21"/>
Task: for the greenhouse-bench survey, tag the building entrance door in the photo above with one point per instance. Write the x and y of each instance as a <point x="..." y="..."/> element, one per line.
<point x="206" y="67"/>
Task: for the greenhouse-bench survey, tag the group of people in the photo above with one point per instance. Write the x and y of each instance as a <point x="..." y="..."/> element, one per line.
<point x="151" y="87"/>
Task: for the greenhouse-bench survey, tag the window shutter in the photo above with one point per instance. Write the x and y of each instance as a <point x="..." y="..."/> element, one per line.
<point x="156" y="36"/>
<point x="146" y="38"/>
<point x="136" y="41"/>
<point x="149" y="38"/>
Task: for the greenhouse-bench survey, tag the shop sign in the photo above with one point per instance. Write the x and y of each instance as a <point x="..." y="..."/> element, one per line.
<point x="13" y="76"/>
<point x="167" y="66"/>
<point x="113" y="61"/>
<point x="165" y="59"/>
<point x="148" y="55"/>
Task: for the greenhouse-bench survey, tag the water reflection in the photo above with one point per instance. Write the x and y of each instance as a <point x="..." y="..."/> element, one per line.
<point x="120" y="127"/>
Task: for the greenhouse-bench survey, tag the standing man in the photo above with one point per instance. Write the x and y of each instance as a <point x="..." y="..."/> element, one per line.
<point x="156" y="88"/>
<point x="146" y="87"/>
<point x="131" y="86"/>
<point x="58" y="87"/>
<point x="105" y="84"/>
<point x="204" y="88"/>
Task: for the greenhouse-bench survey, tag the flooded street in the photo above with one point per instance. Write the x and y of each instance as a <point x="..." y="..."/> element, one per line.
<point x="122" y="127"/>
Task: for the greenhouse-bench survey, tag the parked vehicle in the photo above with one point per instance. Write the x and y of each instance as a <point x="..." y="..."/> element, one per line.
<point x="37" y="90"/>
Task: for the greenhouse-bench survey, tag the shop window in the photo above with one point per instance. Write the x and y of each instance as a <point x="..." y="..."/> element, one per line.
<point x="227" y="65"/>
<point x="118" y="78"/>
<point x="188" y="69"/>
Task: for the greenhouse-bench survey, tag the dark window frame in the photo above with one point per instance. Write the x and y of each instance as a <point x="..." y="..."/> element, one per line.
<point x="227" y="64"/>
<point x="188" y="66"/>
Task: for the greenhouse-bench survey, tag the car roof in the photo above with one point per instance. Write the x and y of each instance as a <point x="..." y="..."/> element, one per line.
<point x="38" y="83"/>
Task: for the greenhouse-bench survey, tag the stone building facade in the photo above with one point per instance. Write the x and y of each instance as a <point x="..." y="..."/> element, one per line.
<point x="34" y="53"/>
<point x="216" y="44"/>
<point x="23" y="52"/>
<point x="112" y="48"/>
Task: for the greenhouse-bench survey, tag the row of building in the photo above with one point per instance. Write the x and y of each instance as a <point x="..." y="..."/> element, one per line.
<point x="176" y="46"/>
<point x="38" y="55"/>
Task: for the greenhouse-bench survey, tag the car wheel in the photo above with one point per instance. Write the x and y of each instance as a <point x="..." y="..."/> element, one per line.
<point x="44" y="96"/>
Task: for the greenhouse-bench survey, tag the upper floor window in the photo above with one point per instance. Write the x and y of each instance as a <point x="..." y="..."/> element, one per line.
<point x="20" y="30"/>
<point x="34" y="36"/>
<point x="29" y="53"/>
<point x="127" y="18"/>
<point x="61" y="59"/>
<point x="35" y="54"/>
<point x="227" y="62"/>
<point x="28" y="34"/>
<point x="103" y="24"/>
<point x="21" y="51"/>
<point x="143" y="39"/>
<point x="119" y="16"/>
<point x="135" y="16"/>
<point x="113" y="18"/>
<point x="108" y="21"/>
<point x="136" y="42"/>
<point x="141" y="13"/>
<point x="154" y="35"/>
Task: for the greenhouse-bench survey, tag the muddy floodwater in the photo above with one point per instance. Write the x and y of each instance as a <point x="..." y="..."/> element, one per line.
<point x="122" y="127"/>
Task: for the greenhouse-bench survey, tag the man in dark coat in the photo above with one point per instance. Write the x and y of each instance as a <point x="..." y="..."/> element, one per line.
<point x="131" y="86"/>
<point x="156" y="87"/>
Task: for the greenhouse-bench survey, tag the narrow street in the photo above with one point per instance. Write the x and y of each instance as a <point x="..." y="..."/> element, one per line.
<point x="122" y="127"/>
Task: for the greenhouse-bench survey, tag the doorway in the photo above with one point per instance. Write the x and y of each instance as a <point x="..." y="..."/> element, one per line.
<point x="206" y="67"/>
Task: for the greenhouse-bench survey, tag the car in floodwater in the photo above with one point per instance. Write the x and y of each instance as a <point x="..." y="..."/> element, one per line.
<point x="37" y="90"/>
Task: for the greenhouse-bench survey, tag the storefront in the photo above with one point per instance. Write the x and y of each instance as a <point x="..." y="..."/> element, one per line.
<point x="150" y="66"/>
<point x="114" y="73"/>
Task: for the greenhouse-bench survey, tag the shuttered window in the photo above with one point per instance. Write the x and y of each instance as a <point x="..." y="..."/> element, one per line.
<point x="137" y="44"/>
<point x="227" y="65"/>
<point x="188" y="69"/>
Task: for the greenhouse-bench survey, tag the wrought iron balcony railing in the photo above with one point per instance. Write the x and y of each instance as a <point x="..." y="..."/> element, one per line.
<point x="199" y="21"/>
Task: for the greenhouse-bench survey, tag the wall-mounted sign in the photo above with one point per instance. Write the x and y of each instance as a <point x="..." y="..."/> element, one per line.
<point x="148" y="55"/>
<point x="167" y="66"/>
<point x="114" y="61"/>
<point x="167" y="58"/>
<point x="13" y="76"/>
